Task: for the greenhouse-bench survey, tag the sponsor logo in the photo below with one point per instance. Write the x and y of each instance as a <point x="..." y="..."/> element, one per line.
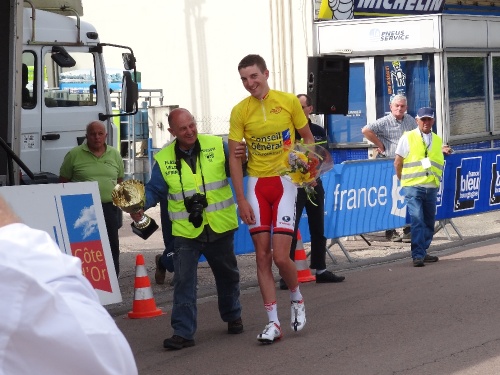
<point x="399" y="7"/>
<point x="286" y="219"/>
<point x="439" y="196"/>
<point x="276" y="110"/>
<point x="386" y="36"/>
<point x="287" y="139"/>
<point x="467" y="182"/>
<point x="267" y="144"/>
<point x="495" y="182"/>
<point x="85" y="239"/>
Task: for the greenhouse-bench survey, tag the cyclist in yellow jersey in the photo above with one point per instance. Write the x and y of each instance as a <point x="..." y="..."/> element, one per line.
<point x="267" y="120"/>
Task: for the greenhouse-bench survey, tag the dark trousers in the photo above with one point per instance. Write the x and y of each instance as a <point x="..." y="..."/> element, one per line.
<point x="221" y="259"/>
<point x="111" y="218"/>
<point x="316" y="220"/>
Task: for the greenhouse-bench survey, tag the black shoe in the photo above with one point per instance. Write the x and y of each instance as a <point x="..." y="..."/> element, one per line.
<point x="160" y="271"/>
<point x="430" y="259"/>
<point x="418" y="262"/>
<point x="235" y="327"/>
<point x="329" y="277"/>
<point x="177" y="342"/>
<point x="392" y="235"/>
<point x="406" y="237"/>
<point x="283" y="285"/>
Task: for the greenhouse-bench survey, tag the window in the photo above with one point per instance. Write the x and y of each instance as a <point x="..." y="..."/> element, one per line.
<point x="409" y="75"/>
<point x="70" y="87"/>
<point x="28" y="80"/>
<point x="467" y="95"/>
<point x="496" y="93"/>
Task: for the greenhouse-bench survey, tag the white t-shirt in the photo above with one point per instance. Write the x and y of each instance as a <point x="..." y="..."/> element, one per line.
<point x="51" y="321"/>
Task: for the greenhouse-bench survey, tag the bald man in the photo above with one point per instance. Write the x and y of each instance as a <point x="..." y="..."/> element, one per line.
<point x="190" y="174"/>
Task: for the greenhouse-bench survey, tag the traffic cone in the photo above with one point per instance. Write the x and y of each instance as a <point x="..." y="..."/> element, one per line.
<point x="303" y="272"/>
<point x="144" y="305"/>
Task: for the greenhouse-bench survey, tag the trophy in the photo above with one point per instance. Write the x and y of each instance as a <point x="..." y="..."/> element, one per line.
<point x="130" y="197"/>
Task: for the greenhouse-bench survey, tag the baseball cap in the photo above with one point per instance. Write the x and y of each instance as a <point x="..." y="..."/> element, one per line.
<point x="425" y="112"/>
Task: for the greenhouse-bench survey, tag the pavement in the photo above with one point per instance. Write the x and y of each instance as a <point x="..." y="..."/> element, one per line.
<point x="387" y="317"/>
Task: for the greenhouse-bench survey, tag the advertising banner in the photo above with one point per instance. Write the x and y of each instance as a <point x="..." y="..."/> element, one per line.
<point x="394" y="80"/>
<point x="349" y="9"/>
<point x="365" y="196"/>
<point x="72" y="215"/>
<point x="471" y="184"/>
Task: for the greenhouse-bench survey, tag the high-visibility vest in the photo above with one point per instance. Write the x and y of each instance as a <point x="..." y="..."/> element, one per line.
<point x="413" y="173"/>
<point x="210" y="179"/>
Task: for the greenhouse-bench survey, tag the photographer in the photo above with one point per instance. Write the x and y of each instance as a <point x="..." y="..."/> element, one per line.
<point x="191" y="175"/>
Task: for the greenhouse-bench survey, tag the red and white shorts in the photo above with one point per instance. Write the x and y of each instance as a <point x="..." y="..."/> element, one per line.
<point x="273" y="202"/>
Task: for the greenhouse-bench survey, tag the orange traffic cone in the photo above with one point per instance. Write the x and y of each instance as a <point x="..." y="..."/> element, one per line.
<point x="144" y="304"/>
<point x="303" y="272"/>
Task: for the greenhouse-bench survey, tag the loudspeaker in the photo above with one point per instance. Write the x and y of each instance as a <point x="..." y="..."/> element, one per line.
<point x="328" y="84"/>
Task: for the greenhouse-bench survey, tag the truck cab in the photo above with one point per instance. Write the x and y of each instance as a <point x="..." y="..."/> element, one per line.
<point x="65" y="86"/>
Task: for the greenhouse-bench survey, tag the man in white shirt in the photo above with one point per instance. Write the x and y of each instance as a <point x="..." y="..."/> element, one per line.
<point x="51" y="321"/>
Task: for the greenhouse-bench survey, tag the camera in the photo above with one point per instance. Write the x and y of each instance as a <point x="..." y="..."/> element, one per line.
<point x="195" y="205"/>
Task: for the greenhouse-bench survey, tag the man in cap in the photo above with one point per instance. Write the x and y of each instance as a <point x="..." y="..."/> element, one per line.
<point x="419" y="165"/>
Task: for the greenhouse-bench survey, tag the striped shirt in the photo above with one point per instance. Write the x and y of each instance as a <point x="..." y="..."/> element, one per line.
<point x="389" y="131"/>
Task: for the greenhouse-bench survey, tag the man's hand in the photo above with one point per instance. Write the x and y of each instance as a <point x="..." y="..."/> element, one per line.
<point x="246" y="212"/>
<point x="381" y="151"/>
<point x="137" y="216"/>
<point x="447" y="150"/>
<point x="241" y="151"/>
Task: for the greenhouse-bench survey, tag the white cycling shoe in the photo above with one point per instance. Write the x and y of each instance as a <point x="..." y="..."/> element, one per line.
<point x="298" y="310"/>
<point x="271" y="332"/>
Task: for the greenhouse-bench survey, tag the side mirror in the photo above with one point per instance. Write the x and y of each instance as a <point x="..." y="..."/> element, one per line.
<point x="130" y="94"/>
<point x="62" y="58"/>
<point x="128" y="61"/>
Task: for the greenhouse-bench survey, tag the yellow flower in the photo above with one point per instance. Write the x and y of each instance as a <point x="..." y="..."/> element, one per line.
<point x="300" y="178"/>
<point x="303" y="156"/>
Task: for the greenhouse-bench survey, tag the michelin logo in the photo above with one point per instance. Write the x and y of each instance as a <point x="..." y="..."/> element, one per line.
<point x="467" y="183"/>
<point x="495" y="183"/>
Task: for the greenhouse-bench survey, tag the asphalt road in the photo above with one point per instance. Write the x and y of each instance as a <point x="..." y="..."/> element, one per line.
<point x="386" y="318"/>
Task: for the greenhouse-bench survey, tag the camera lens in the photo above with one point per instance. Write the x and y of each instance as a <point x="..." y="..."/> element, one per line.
<point x="196" y="215"/>
<point x="195" y="205"/>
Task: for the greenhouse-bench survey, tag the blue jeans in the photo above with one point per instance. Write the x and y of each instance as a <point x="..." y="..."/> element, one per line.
<point x="421" y="206"/>
<point x="222" y="261"/>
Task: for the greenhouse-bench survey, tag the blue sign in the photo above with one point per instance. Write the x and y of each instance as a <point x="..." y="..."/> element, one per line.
<point x="366" y="196"/>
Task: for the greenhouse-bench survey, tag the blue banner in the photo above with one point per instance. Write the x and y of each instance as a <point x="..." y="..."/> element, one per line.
<point x="366" y="196"/>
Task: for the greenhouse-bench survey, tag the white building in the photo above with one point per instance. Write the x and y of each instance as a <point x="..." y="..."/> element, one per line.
<point x="190" y="49"/>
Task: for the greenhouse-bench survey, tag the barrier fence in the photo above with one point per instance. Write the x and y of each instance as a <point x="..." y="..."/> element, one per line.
<point x="365" y="196"/>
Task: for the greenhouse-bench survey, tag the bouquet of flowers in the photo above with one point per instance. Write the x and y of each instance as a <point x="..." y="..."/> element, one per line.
<point x="304" y="164"/>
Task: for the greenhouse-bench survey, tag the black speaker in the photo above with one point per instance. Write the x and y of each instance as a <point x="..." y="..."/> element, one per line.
<point x="328" y="84"/>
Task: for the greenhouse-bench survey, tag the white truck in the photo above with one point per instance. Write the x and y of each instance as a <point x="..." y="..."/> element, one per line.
<point x="64" y="87"/>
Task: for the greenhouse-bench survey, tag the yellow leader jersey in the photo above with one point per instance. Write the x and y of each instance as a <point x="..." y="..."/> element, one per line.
<point x="268" y="127"/>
